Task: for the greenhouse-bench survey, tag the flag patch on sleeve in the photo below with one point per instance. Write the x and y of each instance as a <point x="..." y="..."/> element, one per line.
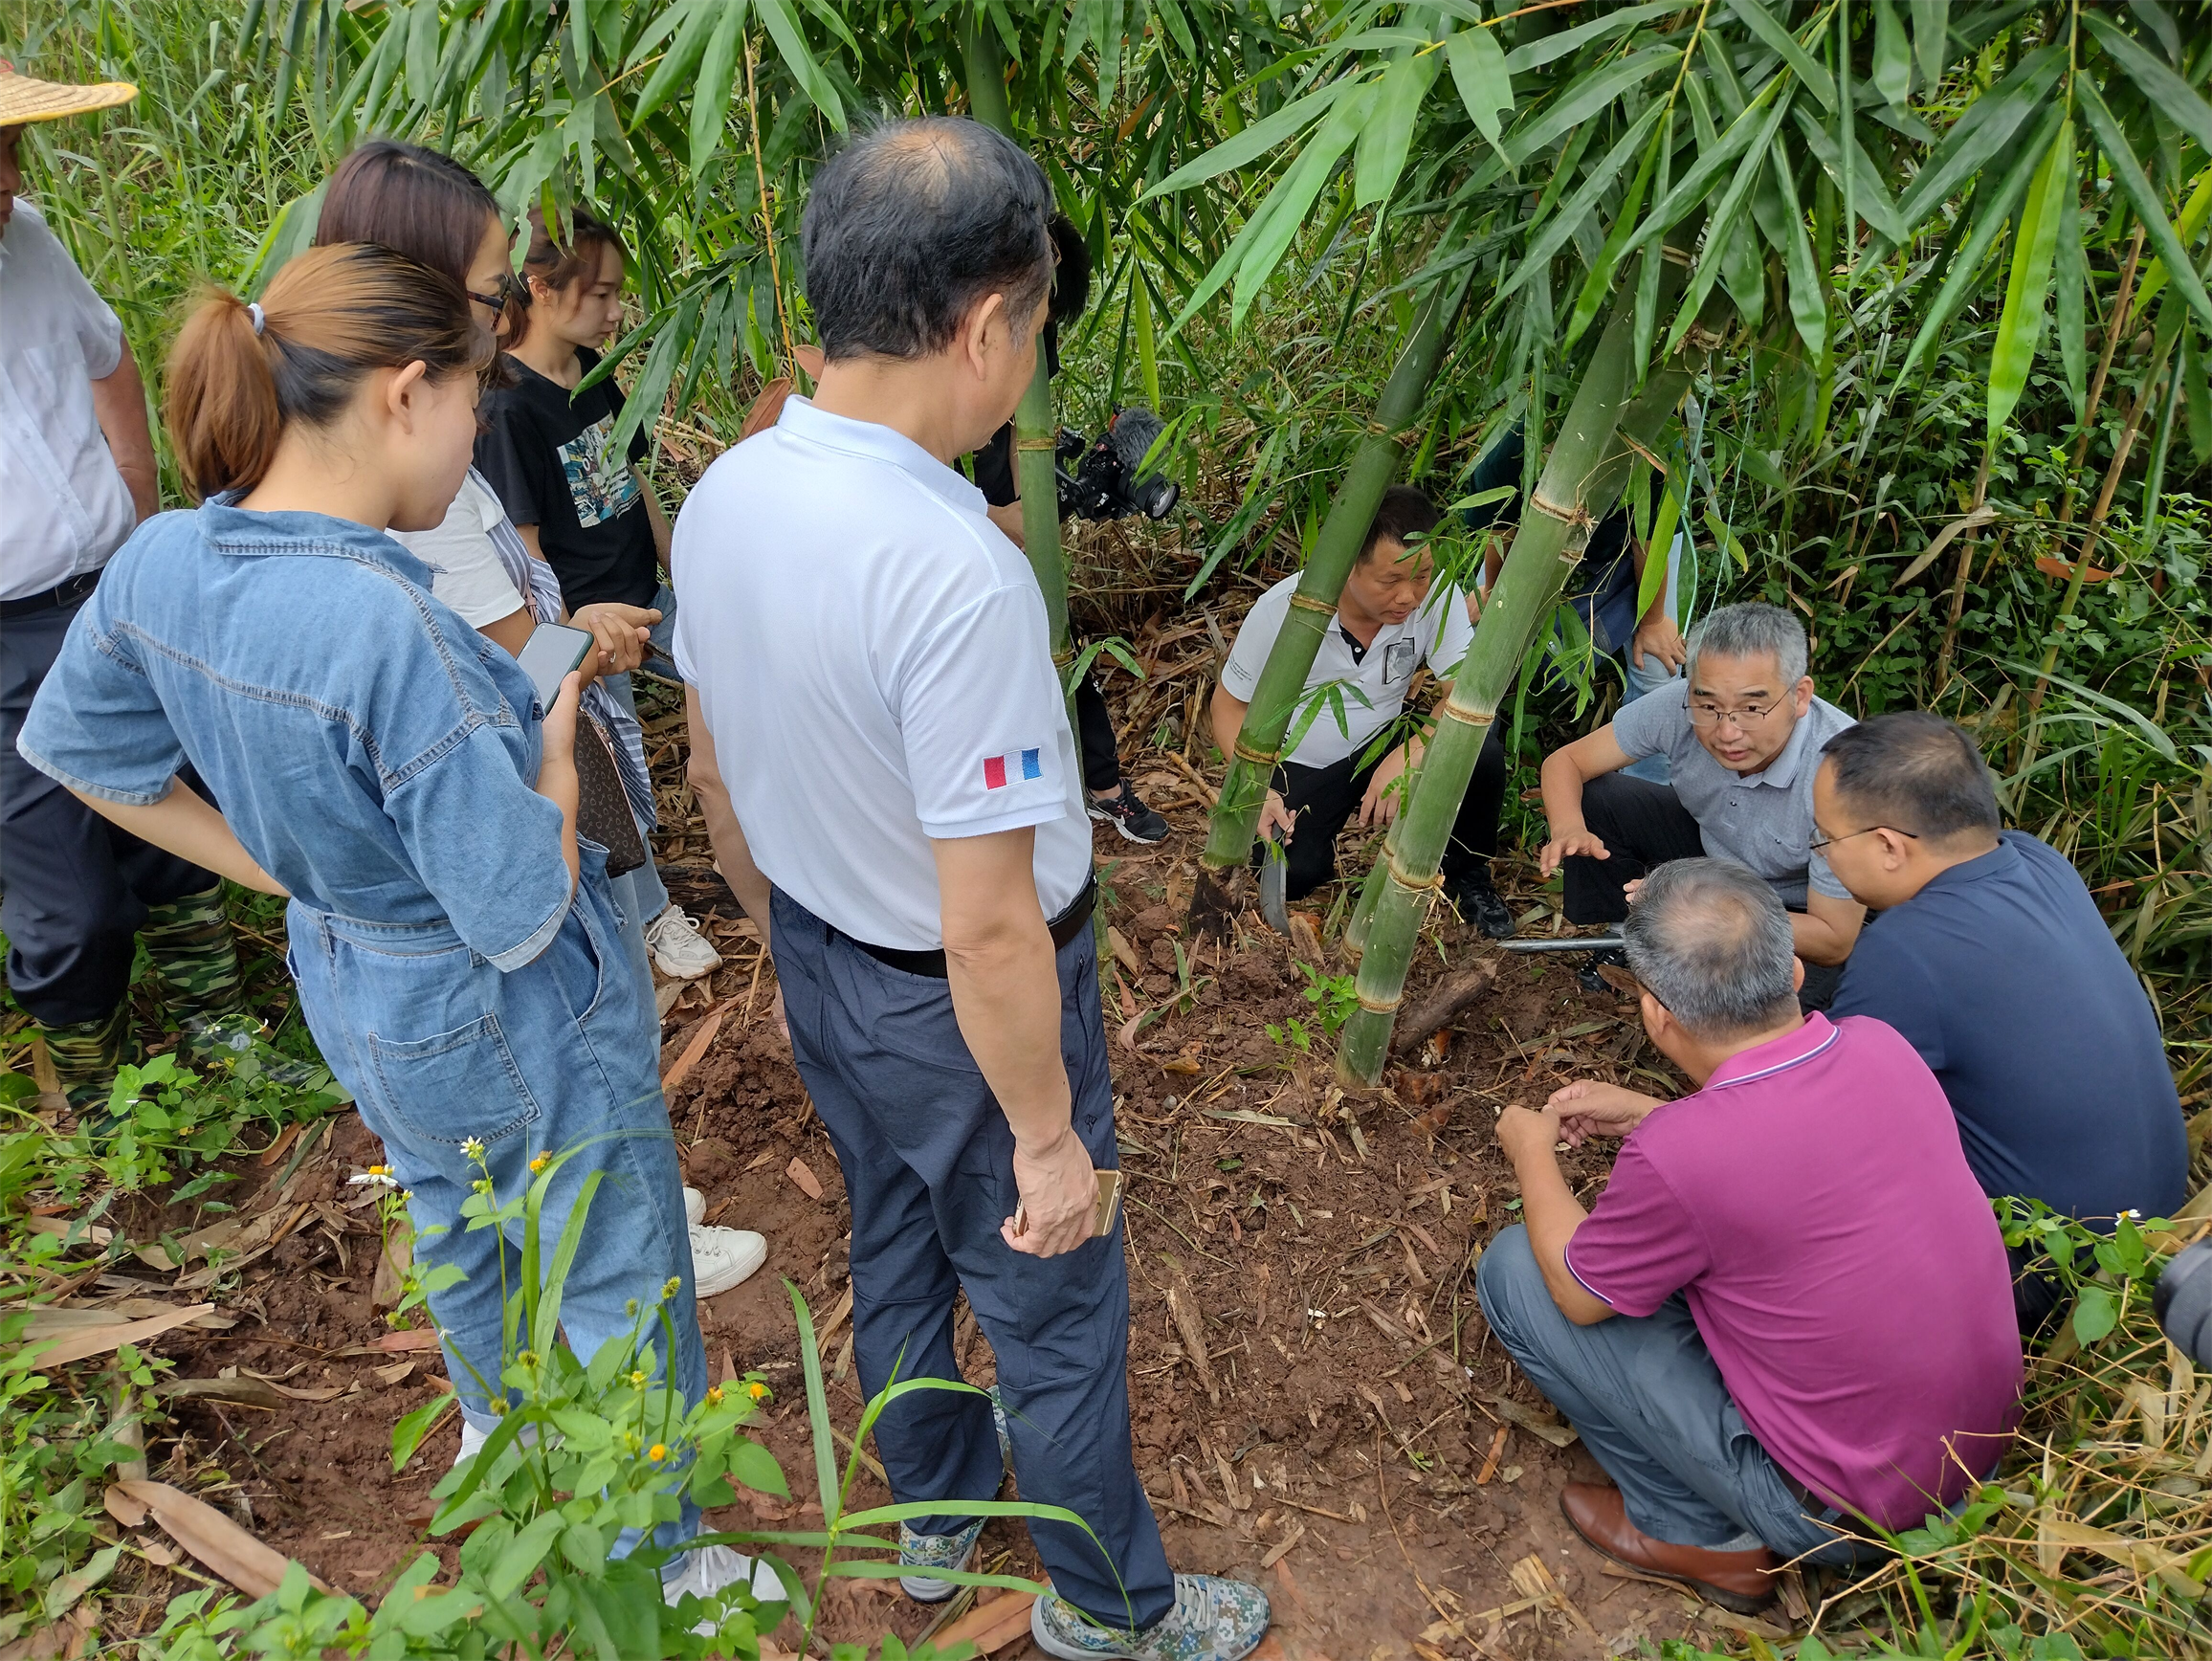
<point x="1000" y="770"/>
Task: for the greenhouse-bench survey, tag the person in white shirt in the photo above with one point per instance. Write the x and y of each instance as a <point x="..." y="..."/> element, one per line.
<point x="76" y="475"/>
<point x="878" y="723"/>
<point x="1346" y="753"/>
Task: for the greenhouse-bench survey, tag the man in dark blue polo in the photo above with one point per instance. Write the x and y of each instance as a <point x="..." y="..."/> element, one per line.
<point x="1990" y="957"/>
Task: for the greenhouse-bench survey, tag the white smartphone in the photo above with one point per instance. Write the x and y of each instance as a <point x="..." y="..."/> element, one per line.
<point x="551" y="651"/>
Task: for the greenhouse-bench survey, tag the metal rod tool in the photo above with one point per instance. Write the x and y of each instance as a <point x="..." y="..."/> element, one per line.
<point x="1568" y="943"/>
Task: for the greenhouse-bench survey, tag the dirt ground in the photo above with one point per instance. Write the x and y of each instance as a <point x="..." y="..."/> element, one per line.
<point x="1350" y="1439"/>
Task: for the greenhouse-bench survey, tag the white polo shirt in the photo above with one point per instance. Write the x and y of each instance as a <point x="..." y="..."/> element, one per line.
<point x="874" y="665"/>
<point x="67" y="505"/>
<point x="1371" y="684"/>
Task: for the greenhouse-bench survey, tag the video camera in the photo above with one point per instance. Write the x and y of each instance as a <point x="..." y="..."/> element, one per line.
<point x="1102" y="480"/>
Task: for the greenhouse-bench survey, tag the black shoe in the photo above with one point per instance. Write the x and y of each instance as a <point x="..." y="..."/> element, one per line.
<point x="1123" y="810"/>
<point x="1594" y="981"/>
<point x="1481" y="906"/>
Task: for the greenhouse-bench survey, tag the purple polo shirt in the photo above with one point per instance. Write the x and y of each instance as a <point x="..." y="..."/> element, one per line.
<point x="1839" y="1257"/>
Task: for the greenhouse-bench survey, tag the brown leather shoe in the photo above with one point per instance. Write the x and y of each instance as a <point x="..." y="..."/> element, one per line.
<point x="1742" y="1580"/>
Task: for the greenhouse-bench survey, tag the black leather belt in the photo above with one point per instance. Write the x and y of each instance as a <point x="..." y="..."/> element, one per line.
<point x="1065" y="927"/>
<point x="52" y="599"/>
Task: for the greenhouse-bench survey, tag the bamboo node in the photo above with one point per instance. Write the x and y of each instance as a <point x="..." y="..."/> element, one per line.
<point x="1451" y="711"/>
<point x="1308" y="603"/>
<point x="1412" y="884"/>
<point x="1678" y="256"/>
<point x="1572" y="516"/>
<point x="1382" y="1005"/>
<point x="1257" y="757"/>
<point x="1036" y="443"/>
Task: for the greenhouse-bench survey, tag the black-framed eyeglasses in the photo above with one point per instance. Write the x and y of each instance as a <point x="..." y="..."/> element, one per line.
<point x="1820" y="844"/>
<point x="1708" y="715"/>
<point x="494" y="303"/>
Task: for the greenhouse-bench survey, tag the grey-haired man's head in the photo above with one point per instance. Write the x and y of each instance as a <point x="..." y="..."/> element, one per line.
<point x="1711" y="942"/>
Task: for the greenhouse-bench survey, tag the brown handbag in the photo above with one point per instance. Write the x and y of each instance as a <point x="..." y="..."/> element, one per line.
<point x="602" y="806"/>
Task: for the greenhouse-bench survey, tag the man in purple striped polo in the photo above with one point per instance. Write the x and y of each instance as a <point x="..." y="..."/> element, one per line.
<point x="1789" y="1314"/>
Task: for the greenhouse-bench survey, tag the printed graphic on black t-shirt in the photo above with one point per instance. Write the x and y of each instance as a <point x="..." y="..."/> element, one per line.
<point x="547" y="455"/>
<point x="600" y="482"/>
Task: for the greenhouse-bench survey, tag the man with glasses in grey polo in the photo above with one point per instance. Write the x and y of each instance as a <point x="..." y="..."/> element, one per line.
<point x="1742" y="733"/>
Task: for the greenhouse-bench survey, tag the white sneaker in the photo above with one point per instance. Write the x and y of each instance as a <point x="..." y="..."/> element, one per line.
<point x="709" y="1569"/>
<point x="724" y="1257"/>
<point x="679" y="951"/>
<point x="695" y="1206"/>
<point x="472" y="1440"/>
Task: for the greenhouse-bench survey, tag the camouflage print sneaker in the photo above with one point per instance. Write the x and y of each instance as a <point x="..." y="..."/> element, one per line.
<point x="934" y="1550"/>
<point x="1213" y="1619"/>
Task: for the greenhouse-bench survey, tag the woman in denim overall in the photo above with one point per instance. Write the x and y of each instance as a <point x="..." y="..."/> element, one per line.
<point x="391" y="770"/>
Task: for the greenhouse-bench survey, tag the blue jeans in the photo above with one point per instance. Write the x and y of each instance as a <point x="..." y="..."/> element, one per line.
<point x="439" y="1048"/>
<point x="1650" y="1406"/>
<point x="928" y="1162"/>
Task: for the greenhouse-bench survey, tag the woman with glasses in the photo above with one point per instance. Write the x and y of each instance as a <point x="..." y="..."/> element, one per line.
<point x="435" y="212"/>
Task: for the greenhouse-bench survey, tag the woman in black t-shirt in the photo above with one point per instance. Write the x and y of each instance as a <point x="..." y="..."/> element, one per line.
<point x="585" y="511"/>
<point x="581" y="508"/>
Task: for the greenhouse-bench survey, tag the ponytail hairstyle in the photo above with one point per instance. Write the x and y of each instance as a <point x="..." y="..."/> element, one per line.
<point x="556" y="265"/>
<point x="412" y="200"/>
<point x="240" y="374"/>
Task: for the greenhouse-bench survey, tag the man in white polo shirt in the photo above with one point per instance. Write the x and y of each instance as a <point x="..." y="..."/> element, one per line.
<point x="76" y="475"/>
<point x="878" y="727"/>
<point x="1392" y="617"/>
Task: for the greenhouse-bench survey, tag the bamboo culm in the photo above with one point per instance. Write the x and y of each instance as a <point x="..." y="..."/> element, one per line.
<point x="1581" y="481"/>
<point x="984" y="62"/>
<point x="1373" y="468"/>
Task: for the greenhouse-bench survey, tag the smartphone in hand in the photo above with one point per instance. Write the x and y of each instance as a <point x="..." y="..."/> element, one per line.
<point x="552" y="650"/>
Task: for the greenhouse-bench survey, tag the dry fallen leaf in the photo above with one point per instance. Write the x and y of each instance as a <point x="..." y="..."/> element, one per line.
<point x="213" y="1539"/>
<point x="421" y="1338"/>
<point x="696" y="1047"/>
<point x="990" y="1627"/>
<point x="394" y="1373"/>
<point x="101" y="1340"/>
<point x="802" y="1174"/>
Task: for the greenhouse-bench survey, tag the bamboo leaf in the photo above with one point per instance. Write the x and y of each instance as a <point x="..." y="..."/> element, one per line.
<point x="2186" y="228"/>
<point x="1536" y="53"/>
<point x="692" y="33"/>
<point x="1711" y="160"/>
<point x="1658" y="549"/>
<point x="1288" y="203"/>
<point x="2143" y="197"/>
<point x="1808" y="305"/>
<point x="1601" y="277"/>
<point x="792" y="47"/>
<point x="2020" y="327"/>
<point x="1722" y="225"/>
<point x="1564" y="222"/>
<point x="1801" y="63"/>
<point x="1930" y="23"/>
<point x="1582" y="99"/>
<point x="2074" y="350"/>
<point x="1989" y="221"/>
<point x="2197" y="385"/>
<point x="717" y="83"/>
<point x="1256" y="140"/>
<point x="1985" y="128"/>
<point x="1892" y="56"/>
<point x="422" y="51"/>
<point x="1872" y="202"/>
<point x="2172" y="96"/>
<point x="1388" y="131"/>
<point x="1479" y="70"/>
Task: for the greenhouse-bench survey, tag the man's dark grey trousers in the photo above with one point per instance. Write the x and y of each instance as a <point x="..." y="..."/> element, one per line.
<point x="928" y="1162"/>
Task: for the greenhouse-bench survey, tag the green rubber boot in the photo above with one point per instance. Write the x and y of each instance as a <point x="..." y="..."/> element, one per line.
<point x="196" y="953"/>
<point x="85" y="1056"/>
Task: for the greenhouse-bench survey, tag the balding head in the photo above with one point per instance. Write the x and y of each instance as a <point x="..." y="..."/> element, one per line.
<point x="913" y="224"/>
<point x="1712" y="944"/>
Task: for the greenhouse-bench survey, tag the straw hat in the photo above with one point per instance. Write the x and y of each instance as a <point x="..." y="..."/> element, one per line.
<point x="24" y="99"/>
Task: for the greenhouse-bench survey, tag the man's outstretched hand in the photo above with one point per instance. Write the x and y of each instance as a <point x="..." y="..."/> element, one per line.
<point x="1587" y="1108"/>
<point x="1581" y="842"/>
